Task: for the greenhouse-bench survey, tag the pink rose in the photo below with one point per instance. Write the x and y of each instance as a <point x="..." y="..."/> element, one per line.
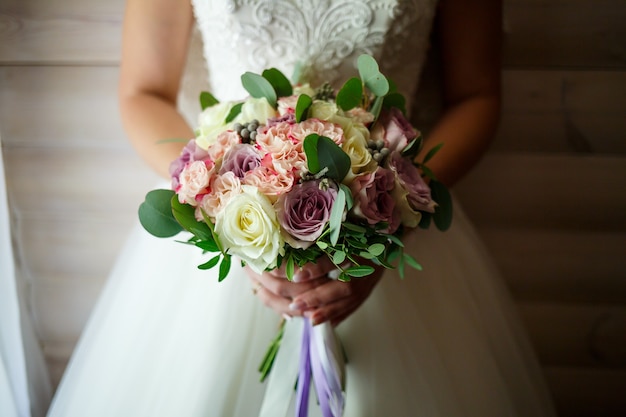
<point x="304" y="211"/>
<point x="373" y="200"/>
<point x="270" y="182"/>
<point x="223" y="143"/>
<point x="190" y="153"/>
<point x="194" y="180"/>
<point x="412" y="194"/>
<point x="398" y="132"/>
<point x="287" y="105"/>
<point x="284" y="154"/>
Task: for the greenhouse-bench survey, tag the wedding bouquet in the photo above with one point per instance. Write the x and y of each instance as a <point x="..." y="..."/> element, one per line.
<point x="294" y="173"/>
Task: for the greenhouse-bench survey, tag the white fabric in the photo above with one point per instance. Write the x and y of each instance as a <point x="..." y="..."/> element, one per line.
<point x="168" y="340"/>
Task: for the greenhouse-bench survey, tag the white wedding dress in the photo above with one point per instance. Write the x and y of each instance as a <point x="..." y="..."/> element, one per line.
<point x="167" y="339"/>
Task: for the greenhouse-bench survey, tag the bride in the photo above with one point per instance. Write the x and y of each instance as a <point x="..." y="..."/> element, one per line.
<point x="167" y="339"/>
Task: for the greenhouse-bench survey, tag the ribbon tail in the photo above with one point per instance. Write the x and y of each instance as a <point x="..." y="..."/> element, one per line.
<point x="304" y="375"/>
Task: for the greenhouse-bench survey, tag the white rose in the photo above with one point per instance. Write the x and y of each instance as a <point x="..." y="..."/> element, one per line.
<point x="248" y="228"/>
<point x="211" y="123"/>
<point x="304" y="89"/>
<point x="322" y="110"/>
<point x="256" y="108"/>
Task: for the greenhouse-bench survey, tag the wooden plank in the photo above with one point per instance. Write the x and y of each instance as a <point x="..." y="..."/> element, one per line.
<point x="79" y="248"/>
<point x="565" y="33"/>
<point x="546" y="191"/>
<point x="563" y="111"/>
<point x="60" y="31"/>
<point x="54" y="107"/>
<point x="561" y="265"/>
<point x="577" y="334"/>
<point x="588" y="392"/>
<point x="76" y="182"/>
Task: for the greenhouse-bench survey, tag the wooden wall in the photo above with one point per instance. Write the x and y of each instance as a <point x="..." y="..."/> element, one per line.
<point x="549" y="198"/>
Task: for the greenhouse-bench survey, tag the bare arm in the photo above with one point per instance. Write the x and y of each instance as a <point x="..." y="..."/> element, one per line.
<point x="155" y="40"/>
<point x="470" y="33"/>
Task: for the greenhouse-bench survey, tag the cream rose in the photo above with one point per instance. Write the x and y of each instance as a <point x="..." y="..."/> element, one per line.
<point x="256" y="108"/>
<point x="211" y="123"/>
<point x="355" y="145"/>
<point x="322" y="110"/>
<point x="304" y="89"/>
<point x="248" y="228"/>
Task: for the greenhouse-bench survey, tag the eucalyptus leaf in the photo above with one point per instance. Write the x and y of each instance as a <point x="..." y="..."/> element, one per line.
<point x="185" y="215"/>
<point x="155" y="214"/>
<point x="376" y="249"/>
<point x="331" y="156"/>
<point x="350" y="95"/>
<point x="336" y="216"/>
<point x="412" y="262"/>
<point x="413" y="148"/>
<point x="443" y="213"/>
<point x="377" y="106"/>
<point x="207" y="100"/>
<point x="310" y="150"/>
<point x="376" y="82"/>
<point x="259" y="87"/>
<point x="349" y="199"/>
<point x="277" y="79"/>
<point x="302" y="107"/>
<point x="425" y="220"/>
<point x="395" y="100"/>
<point x="234" y="112"/>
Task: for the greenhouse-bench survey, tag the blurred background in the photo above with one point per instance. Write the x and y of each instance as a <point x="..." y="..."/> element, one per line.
<point x="549" y="198"/>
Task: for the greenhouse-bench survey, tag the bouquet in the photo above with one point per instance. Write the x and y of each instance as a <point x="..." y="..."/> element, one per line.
<point x="294" y="173"/>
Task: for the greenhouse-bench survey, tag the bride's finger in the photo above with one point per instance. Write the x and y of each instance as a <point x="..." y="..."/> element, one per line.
<point x="277" y="303"/>
<point x="310" y="271"/>
<point x="281" y="287"/>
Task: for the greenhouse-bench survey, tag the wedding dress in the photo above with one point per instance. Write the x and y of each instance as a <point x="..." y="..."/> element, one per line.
<point x="167" y="339"/>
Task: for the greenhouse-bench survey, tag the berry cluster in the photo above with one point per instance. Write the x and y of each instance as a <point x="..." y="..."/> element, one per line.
<point x="377" y="150"/>
<point x="325" y="92"/>
<point x="247" y="131"/>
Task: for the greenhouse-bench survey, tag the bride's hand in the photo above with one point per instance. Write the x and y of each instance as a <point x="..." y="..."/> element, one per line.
<point x="277" y="292"/>
<point x="334" y="300"/>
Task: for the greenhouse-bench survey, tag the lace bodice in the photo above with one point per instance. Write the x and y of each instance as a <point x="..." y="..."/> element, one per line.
<point x="322" y="37"/>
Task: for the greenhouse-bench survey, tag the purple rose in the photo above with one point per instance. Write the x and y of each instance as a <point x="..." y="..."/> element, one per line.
<point x="373" y="200"/>
<point x="398" y="132"/>
<point x="189" y="154"/>
<point x="240" y="159"/>
<point x="304" y="211"/>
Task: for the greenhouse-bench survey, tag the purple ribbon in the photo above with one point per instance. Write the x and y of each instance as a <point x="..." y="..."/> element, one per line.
<point x="329" y="393"/>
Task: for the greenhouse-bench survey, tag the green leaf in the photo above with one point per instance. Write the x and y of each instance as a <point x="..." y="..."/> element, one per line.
<point x="207" y="100"/>
<point x="224" y="268"/>
<point x="395" y="100"/>
<point x="277" y="79"/>
<point x="413" y="148"/>
<point x="350" y="94"/>
<point x="425" y="220"/>
<point x="336" y="216"/>
<point x="185" y="215"/>
<point x="349" y="200"/>
<point x="432" y="153"/>
<point x="259" y="87"/>
<point x="354" y="227"/>
<point x="338" y="257"/>
<point x="394" y="239"/>
<point x="155" y="214"/>
<point x="428" y="172"/>
<point x="302" y="107"/>
<point x="359" y="271"/>
<point x="211" y="263"/>
<point x="234" y="112"/>
<point x="376" y="82"/>
<point x="376" y="249"/>
<point x="443" y="213"/>
<point x="208" y="245"/>
<point x="289" y="268"/>
<point x="331" y="156"/>
<point x="322" y="245"/>
<point x="377" y="106"/>
<point x="310" y="150"/>
<point x="412" y="262"/>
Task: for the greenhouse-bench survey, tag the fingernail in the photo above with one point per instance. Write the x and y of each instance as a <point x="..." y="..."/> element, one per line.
<point x="301" y="276"/>
<point x="297" y="305"/>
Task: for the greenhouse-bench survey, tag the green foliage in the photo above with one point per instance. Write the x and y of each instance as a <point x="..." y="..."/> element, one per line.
<point x="302" y="107"/>
<point x="185" y="215"/>
<point x="207" y="100"/>
<point x="224" y="267"/>
<point x="432" y="153"/>
<point x="259" y="87"/>
<point x="443" y="214"/>
<point x="234" y="112"/>
<point x="413" y="148"/>
<point x="395" y="100"/>
<point x="155" y="214"/>
<point x="336" y="215"/>
<point x="282" y="85"/>
<point x="373" y="79"/>
<point x="350" y="95"/>
<point x="324" y="154"/>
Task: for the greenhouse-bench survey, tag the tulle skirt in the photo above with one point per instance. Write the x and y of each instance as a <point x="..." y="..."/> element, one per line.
<point x="167" y="339"/>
